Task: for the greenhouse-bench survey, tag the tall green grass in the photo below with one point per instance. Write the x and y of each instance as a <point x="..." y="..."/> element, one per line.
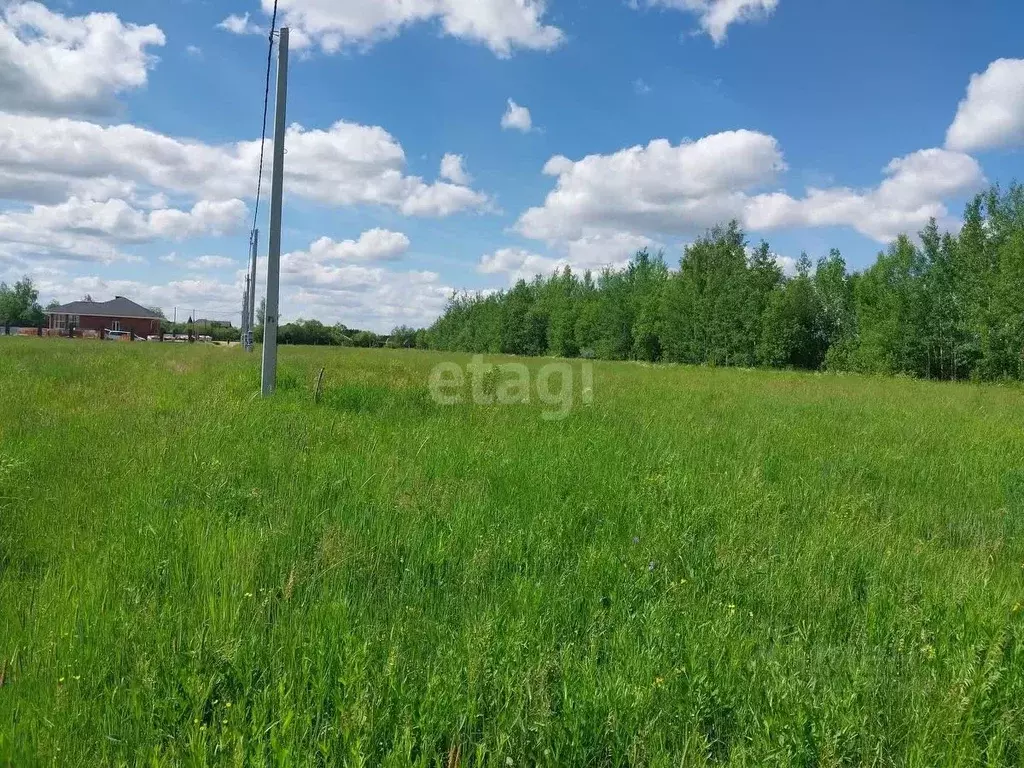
<point x="702" y="567"/>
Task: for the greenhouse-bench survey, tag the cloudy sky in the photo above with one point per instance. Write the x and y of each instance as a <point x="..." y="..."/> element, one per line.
<point x="459" y="144"/>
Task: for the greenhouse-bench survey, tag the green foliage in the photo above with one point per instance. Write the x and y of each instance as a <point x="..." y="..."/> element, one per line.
<point x="402" y="337"/>
<point x="312" y="332"/>
<point x="365" y="339"/>
<point x="713" y="283"/>
<point x="793" y="330"/>
<point x="702" y="567"/>
<point x="764" y="279"/>
<point x="838" y="321"/>
<point x="315" y="334"/>
<point x="949" y="308"/>
<point x="215" y="331"/>
<point x="19" y="305"/>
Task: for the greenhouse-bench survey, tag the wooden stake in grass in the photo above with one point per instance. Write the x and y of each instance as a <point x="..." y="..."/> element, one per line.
<point x="319" y="386"/>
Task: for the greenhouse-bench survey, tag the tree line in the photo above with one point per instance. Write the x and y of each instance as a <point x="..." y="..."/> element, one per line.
<point x="316" y="333"/>
<point x="944" y="306"/>
<point x="19" y="305"/>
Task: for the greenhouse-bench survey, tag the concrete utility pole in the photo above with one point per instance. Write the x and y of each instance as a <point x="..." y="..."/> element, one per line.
<point x="245" y="314"/>
<point x="250" y="320"/>
<point x="276" y="200"/>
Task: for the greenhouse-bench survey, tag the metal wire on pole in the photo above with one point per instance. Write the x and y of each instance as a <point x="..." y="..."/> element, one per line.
<point x="266" y="111"/>
<point x="249" y="302"/>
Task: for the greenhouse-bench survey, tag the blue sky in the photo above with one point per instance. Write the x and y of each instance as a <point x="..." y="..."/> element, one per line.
<point x="129" y="131"/>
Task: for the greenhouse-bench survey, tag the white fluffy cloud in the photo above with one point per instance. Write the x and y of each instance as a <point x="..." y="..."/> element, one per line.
<point x="716" y="16"/>
<point x="212" y="299"/>
<point x="341" y="278"/>
<point x="517" y="118"/>
<point x="502" y="25"/>
<point x="663" y="189"/>
<point x="335" y="25"/>
<point x="912" y="193"/>
<point x="203" y="263"/>
<point x="360" y="296"/>
<point x="992" y="113"/>
<point x="183" y="293"/>
<point x="345" y="282"/>
<point x="367" y="297"/>
<point x="56" y="64"/>
<point x="453" y="169"/>
<point x="606" y="249"/>
<point x="373" y="245"/>
<point x="241" y="25"/>
<point x="518" y="263"/>
<point x="94" y="231"/>
<point x="595" y="252"/>
<point x="207" y="217"/>
<point x="45" y="160"/>
<point x="353" y="164"/>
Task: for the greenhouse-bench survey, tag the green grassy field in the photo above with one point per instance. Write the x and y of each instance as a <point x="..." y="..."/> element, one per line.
<point x="701" y="567"/>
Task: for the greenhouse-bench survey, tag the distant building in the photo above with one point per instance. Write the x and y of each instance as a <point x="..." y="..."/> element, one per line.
<point x="96" y="317"/>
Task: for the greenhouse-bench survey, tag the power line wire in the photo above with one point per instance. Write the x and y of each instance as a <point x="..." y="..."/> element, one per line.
<point x="266" y="108"/>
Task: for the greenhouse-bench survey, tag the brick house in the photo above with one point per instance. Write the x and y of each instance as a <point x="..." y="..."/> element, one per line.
<point x="99" y="317"/>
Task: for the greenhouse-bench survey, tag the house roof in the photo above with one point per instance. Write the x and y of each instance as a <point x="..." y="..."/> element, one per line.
<point x="116" y="307"/>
